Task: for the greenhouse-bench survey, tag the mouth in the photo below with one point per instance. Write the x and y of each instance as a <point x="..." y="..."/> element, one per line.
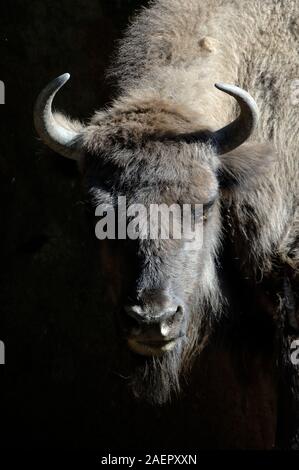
<point x="151" y="347"/>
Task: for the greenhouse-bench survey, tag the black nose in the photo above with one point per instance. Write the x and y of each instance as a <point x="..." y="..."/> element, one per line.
<point x="153" y="315"/>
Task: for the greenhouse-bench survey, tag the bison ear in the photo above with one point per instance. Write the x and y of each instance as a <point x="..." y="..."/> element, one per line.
<point x="243" y="167"/>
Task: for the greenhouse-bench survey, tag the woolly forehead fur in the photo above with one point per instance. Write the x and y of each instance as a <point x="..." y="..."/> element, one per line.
<point x="153" y="175"/>
<point x="132" y="121"/>
<point x="138" y="146"/>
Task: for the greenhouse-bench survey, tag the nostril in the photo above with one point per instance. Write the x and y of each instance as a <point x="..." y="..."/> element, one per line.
<point x="173" y="316"/>
<point x="130" y="321"/>
<point x="173" y="312"/>
<point x="134" y="312"/>
<point x="179" y="312"/>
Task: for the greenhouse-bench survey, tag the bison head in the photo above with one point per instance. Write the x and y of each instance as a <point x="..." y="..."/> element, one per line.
<point x="151" y="152"/>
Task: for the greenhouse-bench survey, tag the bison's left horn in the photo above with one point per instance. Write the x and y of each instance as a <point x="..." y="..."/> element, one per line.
<point x="234" y="134"/>
<point x="57" y="136"/>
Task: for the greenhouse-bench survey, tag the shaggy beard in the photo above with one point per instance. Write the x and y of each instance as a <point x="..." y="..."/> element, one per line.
<point x="156" y="379"/>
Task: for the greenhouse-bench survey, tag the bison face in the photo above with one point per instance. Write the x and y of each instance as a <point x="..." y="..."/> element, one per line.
<point x="155" y="278"/>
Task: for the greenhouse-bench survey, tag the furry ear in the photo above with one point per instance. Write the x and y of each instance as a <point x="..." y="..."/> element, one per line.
<point x="243" y="166"/>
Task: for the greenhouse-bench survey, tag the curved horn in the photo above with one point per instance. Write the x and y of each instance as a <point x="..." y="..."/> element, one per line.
<point x="59" y="138"/>
<point x="234" y="134"/>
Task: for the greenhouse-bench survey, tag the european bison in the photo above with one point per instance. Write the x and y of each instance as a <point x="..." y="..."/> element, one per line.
<point x="172" y="137"/>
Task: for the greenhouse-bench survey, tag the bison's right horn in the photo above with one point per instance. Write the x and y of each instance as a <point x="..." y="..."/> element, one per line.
<point x="59" y="138"/>
<point x="234" y="134"/>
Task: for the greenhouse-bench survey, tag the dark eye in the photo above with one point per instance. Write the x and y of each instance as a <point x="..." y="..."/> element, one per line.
<point x="201" y="211"/>
<point x="208" y="205"/>
<point x="197" y="212"/>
